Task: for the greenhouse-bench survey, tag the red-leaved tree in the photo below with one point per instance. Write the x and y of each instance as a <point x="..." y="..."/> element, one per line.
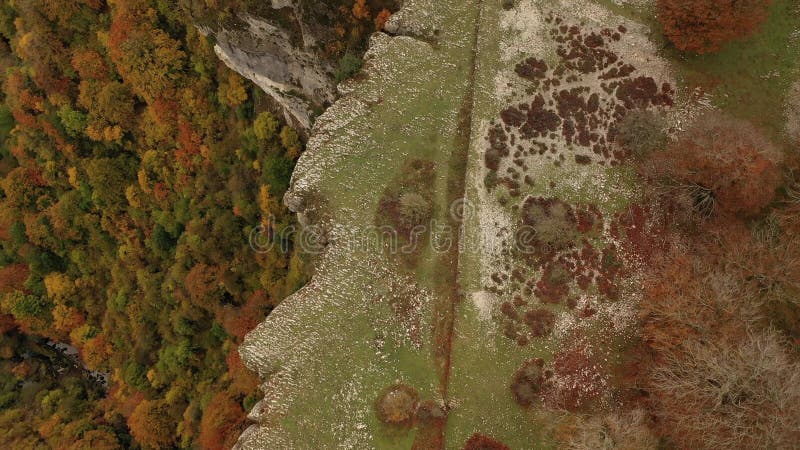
<point x="725" y="164"/>
<point x="703" y="26"/>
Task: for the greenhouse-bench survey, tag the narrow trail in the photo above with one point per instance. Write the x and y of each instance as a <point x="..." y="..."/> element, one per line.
<point x="457" y="191"/>
<point x="450" y="290"/>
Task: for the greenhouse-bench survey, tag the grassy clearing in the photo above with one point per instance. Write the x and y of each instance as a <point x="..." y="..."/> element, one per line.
<point x="750" y="78"/>
<point x="338" y="340"/>
<point x="408" y="108"/>
<point x="483" y="360"/>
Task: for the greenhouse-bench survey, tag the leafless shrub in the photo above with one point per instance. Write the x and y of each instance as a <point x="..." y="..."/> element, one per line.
<point x="731" y="395"/>
<point x="641" y="132"/>
<point x="793" y="112"/>
<point x="611" y="431"/>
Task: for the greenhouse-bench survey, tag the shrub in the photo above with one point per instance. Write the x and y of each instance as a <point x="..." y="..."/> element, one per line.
<point x="414" y="209"/>
<point x="725" y="164"/>
<point x="703" y="26"/>
<point x="641" y="132"/>
<point x="481" y="442"/>
<point x="527" y="382"/>
<point x="349" y="65"/>
<point x="397" y="405"/>
<point x="553" y="222"/>
<point x="541" y="321"/>
<point x="407" y="202"/>
<point x="613" y="430"/>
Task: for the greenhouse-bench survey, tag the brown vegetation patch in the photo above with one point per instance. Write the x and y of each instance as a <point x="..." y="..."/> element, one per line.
<point x="540" y="321"/>
<point x="583" y="115"/>
<point x="532" y="69"/>
<point x="397" y="405"/>
<point x="641" y="92"/>
<point x="526" y="384"/>
<point x="576" y="379"/>
<point x="564" y="259"/>
<point x="554" y="284"/>
<point x="481" y="442"/>
<point x="407" y="203"/>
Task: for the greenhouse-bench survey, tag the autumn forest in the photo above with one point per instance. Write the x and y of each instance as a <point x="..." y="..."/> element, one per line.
<point x="136" y="166"/>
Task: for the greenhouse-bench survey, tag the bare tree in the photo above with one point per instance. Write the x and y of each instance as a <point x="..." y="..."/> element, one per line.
<point x="719" y="380"/>
<point x="731" y="395"/>
<point x="610" y="431"/>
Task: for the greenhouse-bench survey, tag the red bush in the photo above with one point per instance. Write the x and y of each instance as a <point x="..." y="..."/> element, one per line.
<point x="481" y="442"/>
<point x="725" y="161"/>
<point x="703" y="26"/>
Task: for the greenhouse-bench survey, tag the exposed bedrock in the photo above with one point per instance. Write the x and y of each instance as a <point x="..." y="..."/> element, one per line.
<point x="277" y="47"/>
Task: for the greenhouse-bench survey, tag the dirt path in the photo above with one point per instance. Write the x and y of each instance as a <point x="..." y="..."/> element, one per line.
<point x="450" y="292"/>
<point x="456" y="188"/>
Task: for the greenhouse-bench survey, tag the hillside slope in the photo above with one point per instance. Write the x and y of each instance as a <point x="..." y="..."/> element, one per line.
<point x="437" y="321"/>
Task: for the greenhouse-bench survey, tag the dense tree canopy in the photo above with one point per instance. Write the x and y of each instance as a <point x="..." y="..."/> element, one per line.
<point x="132" y="169"/>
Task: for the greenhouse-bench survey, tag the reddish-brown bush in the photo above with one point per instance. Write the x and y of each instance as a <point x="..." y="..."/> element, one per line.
<point x="397" y="405"/>
<point x="725" y="165"/>
<point x="481" y="442"/>
<point x="541" y="321"/>
<point x="703" y="26"/>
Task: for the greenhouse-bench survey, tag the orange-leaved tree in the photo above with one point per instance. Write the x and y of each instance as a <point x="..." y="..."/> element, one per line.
<point x="152" y="425"/>
<point x="703" y="26"/>
<point x="222" y="422"/>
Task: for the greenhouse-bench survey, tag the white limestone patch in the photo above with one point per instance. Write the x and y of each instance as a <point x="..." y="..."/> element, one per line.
<point x="484" y="302"/>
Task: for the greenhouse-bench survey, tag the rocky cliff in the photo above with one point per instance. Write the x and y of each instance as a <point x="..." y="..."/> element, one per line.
<point x="278" y="45"/>
<point x="292" y="49"/>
